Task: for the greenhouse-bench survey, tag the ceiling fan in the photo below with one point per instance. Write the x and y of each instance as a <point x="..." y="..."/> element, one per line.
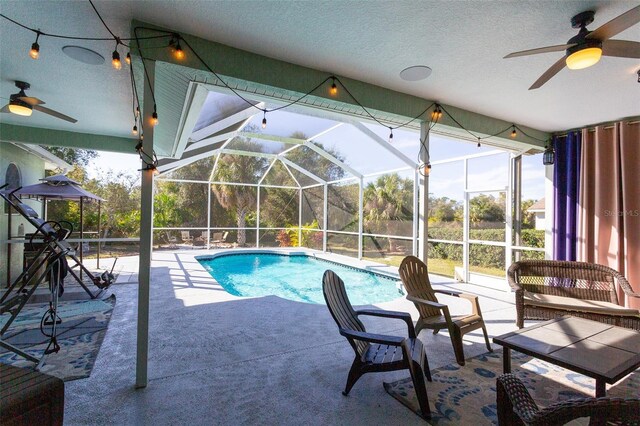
<point x="21" y="104"/>
<point x="586" y="48"/>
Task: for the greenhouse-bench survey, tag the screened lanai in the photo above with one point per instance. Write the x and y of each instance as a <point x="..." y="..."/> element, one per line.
<point x="330" y="182"/>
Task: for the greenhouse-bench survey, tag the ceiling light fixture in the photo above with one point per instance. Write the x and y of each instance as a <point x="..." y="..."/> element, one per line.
<point x="580" y="57"/>
<point x="20" y="107"/>
<point x="415" y="73"/>
<point x="35" y="48"/>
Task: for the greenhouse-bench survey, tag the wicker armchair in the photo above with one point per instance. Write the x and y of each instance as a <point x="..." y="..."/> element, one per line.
<point x="546" y="289"/>
<point x="516" y="407"/>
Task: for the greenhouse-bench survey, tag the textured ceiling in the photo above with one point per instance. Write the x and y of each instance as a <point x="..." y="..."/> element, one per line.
<point x="462" y="41"/>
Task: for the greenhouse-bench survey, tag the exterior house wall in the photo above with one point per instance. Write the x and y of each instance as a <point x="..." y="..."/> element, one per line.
<point x="32" y="168"/>
<point x="540" y="222"/>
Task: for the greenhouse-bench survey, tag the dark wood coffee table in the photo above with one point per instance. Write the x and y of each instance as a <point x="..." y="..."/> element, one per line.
<point x="601" y="351"/>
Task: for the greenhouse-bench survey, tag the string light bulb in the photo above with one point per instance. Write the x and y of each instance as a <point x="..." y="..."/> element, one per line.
<point x="333" y="90"/>
<point x="390" y="134"/>
<point x="134" y="130"/>
<point x="128" y="58"/>
<point x="178" y="52"/>
<point x="436" y="114"/>
<point x="427" y="169"/>
<point x="513" y="132"/>
<point x="264" y="120"/>
<point x="35" y="48"/>
<point x="154" y="119"/>
<point x="479" y="144"/>
<point x="115" y="59"/>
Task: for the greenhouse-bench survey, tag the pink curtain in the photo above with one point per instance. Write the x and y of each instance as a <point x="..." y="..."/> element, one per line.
<point x="609" y="210"/>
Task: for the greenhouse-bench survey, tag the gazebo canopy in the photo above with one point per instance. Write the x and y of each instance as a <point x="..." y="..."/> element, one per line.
<point x="57" y="187"/>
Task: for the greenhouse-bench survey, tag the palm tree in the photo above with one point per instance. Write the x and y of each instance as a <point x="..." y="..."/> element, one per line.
<point x="239" y="169"/>
<point x="387" y="202"/>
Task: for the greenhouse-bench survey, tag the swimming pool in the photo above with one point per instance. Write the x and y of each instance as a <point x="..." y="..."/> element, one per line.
<point x="295" y="277"/>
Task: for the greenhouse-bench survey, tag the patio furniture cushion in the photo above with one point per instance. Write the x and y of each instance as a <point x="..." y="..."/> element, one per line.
<point x="572" y="304"/>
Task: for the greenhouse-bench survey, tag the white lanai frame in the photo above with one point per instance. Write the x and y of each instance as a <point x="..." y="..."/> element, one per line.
<point x="208" y="141"/>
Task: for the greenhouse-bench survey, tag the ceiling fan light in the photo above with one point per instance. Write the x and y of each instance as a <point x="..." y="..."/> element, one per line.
<point x="19" y="107"/>
<point x="584" y="58"/>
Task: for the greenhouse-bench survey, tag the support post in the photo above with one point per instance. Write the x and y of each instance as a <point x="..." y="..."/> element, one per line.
<point x="360" y="216"/>
<point x="99" y="234"/>
<point x="81" y="233"/>
<point x="208" y="215"/>
<point x="258" y="217"/>
<point x="146" y="236"/>
<point x="300" y="217"/>
<point x="517" y="205"/>
<point x="423" y="183"/>
<point x="325" y="219"/>
<point x="416" y="212"/>
<point x="465" y="224"/>
<point x="548" y="212"/>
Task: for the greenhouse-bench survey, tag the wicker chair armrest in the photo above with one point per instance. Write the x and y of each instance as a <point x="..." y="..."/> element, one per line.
<point x="404" y="316"/>
<point x="511" y="277"/>
<point x="615" y="409"/>
<point x="372" y="338"/>
<point x="603" y="409"/>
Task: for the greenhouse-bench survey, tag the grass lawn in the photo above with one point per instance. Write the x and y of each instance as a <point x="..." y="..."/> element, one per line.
<point x="443" y="267"/>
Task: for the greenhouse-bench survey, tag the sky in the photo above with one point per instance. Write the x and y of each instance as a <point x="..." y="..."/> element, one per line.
<point x="485" y="173"/>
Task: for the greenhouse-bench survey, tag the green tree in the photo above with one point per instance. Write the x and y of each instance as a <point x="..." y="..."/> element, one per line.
<point x="73" y="156"/>
<point x="486" y="208"/>
<point x="444" y="209"/>
<point x="387" y="203"/>
<point x="239" y="199"/>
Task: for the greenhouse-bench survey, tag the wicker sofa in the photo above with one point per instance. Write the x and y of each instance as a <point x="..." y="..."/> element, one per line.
<point x="546" y="289"/>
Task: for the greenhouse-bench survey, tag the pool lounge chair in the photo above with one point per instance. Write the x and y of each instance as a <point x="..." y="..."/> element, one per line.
<point x="434" y="315"/>
<point x="376" y="352"/>
<point x="186" y="237"/>
<point x="220" y="239"/>
<point x="172" y="240"/>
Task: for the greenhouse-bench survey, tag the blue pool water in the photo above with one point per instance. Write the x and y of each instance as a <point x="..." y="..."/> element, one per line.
<point x="296" y="277"/>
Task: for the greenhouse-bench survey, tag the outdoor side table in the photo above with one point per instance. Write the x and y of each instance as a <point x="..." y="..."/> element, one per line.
<point x="603" y="352"/>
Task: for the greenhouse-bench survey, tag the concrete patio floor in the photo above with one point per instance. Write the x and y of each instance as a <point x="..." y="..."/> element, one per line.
<point x="218" y="359"/>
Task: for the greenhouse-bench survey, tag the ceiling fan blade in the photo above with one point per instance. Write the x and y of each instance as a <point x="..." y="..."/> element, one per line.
<point x="553" y="70"/>
<point x="5" y="108"/>
<point x="54" y="113"/>
<point x="31" y="100"/>
<point x="621" y="48"/>
<point x="558" y="48"/>
<point x="617" y="25"/>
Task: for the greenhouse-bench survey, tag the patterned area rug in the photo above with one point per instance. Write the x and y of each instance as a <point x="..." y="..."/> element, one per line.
<point x="467" y="395"/>
<point x="84" y="324"/>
